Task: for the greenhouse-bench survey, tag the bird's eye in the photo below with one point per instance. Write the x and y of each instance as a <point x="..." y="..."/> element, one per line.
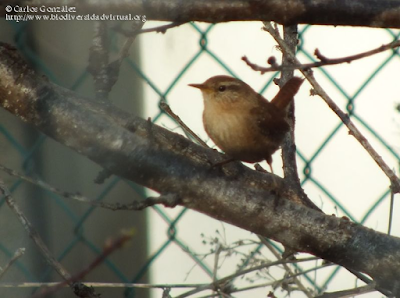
<point x="222" y="88"/>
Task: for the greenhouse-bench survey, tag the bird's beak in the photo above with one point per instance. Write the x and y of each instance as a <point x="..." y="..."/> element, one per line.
<point x="199" y="86"/>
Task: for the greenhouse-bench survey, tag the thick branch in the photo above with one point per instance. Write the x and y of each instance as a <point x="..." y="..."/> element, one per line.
<point x="145" y="153"/>
<point x="370" y="13"/>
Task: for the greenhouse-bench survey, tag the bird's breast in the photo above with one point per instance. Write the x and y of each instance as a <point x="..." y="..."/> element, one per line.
<point x="230" y="129"/>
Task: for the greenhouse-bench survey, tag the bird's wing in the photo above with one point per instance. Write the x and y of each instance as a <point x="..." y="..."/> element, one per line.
<point x="270" y="121"/>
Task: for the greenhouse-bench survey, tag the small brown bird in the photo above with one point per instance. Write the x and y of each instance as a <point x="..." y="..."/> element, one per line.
<point x="243" y="123"/>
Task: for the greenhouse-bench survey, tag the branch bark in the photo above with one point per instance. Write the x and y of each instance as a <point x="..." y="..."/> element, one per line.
<point x="152" y="156"/>
<point x="370" y="13"/>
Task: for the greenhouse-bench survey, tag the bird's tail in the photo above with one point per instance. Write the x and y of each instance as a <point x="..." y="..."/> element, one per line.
<point x="285" y="95"/>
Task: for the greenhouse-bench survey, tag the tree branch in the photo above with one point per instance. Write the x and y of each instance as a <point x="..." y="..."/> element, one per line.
<point x="17" y="254"/>
<point x="369" y="13"/>
<point x="289" y="145"/>
<point x="33" y="234"/>
<point x="323" y="60"/>
<point x="353" y="130"/>
<point x="167" y="200"/>
<point x="140" y="151"/>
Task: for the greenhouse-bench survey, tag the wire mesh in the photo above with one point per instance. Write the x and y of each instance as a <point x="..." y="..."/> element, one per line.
<point x="28" y="153"/>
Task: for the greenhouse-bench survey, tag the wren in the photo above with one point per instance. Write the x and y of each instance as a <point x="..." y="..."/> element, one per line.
<point x="241" y="122"/>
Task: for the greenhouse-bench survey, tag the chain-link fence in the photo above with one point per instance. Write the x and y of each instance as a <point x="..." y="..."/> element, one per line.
<point x="336" y="173"/>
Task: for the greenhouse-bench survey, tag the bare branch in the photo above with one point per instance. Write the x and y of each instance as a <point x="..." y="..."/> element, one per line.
<point x="371" y="13"/>
<point x="289" y="147"/>
<point x="82" y="290"/>
<point x="286" y="266"/>
<point x="323" y="60"/>
<point x="105" y="74"/>
<point x="166" y="108"/>
<point x="99" y="60"/>
<point x="283" y="283"/>
<point x="98" y="285"/>
<point x="33" y="233"/>
<point x="217" y="283"/>
<point x="391" y="212"/>
<point x="348" y="293"/>
<point x="353" y="130"/>
<point x="167" y="200"/>
<point x="18" y="253"/>
<point x="160" y="29"/>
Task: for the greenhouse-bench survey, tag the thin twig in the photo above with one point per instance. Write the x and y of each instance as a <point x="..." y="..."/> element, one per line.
<point x="348" y="293"/>
<point x="286" y="266"/>
<point x="216" y="261"/>
<point x="109" y="248"/>
<point x="323" y="60"/>
<point x="18" y="253"/>
<point x="159" y="29"/>
<point x="166" y="108"/>
<point x="391" y="212"/>
<point x="33" y="234"/>
<point x="285" y="279"/>
<point x="215" y="284"/>
<point x="353" y="130"/>
<point x="98" y="285"/>
<point x="166" y="200"/>
<point x="162" y="29"/>
<point x="136" y="28"/>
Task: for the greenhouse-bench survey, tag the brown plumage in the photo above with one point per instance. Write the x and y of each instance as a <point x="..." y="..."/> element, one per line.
<point x="241" y="122"/>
